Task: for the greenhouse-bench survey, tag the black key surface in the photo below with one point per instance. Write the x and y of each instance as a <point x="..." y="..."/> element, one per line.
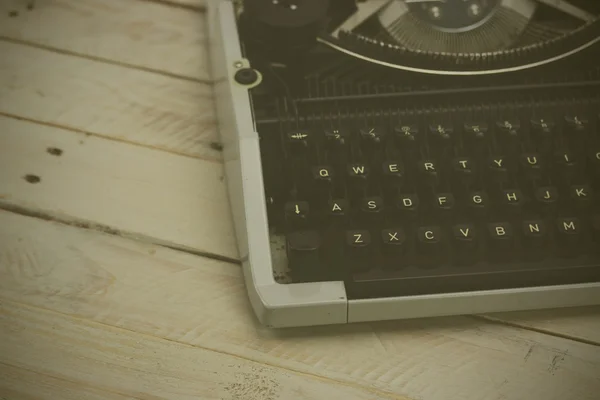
<point x="358" y="250"/>
<point x="394" y="247"/>
<point x="430" y="246"/>
<point x="297" y="214"/>
<point x="501" y="238"/>
<point x="303" y="252"/>
<point x="408" y="205"/>
<point x="465" y="243"/>
<point x="535" y="239"/>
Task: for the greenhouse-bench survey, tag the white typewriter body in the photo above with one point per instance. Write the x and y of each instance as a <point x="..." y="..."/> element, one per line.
<point x="320" y="303"/>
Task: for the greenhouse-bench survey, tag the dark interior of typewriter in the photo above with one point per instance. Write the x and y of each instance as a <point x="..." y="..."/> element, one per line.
<point x="426" y="146"/>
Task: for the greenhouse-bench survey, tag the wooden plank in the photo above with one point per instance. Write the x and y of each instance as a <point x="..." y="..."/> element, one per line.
<point x="22" y="384"/>
<point x="97" y="357"/>
<point x="114" y="102"/>
<point x="158" y="197"/>
<point x="131" y="190"/>
<point x="187" y="299"/>
<point x="141" y="34"/>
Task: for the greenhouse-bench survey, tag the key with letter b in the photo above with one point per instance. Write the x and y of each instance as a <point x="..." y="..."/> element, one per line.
<point x="500" y="241"/>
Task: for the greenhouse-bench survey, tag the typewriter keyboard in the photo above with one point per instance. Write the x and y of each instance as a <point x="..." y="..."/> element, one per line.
<point x="440" y="202"/>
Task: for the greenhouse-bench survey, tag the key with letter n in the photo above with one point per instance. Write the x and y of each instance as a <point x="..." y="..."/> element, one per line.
<point x="535" y="239"/>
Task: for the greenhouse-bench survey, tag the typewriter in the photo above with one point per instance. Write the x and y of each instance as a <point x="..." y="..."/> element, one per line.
<point x="410" y="158"/>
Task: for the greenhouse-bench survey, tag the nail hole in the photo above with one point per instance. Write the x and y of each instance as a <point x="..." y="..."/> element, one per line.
<point x="13" y="14"/>
<point x="32" y="178"/>
<point x="30" y="6"/>
<point x="55" y="151"/>
<point x="216" y="146"/>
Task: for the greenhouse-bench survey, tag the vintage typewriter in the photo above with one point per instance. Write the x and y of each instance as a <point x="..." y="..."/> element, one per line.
<point x="411" y="158"/>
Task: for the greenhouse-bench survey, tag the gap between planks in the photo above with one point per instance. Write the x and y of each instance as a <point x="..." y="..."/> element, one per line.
<point x="193" y="5"/>
<point x="492" y="319"/>
<point x="94" y="226"/>
<point x="117" y="329"/>
<point x="104" y="60"/>
<point x="146" y="35"/>
<point x="113" y="138"/>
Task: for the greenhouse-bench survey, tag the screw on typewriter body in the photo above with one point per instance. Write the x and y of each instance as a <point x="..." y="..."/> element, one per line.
<point x="246" y="76"/>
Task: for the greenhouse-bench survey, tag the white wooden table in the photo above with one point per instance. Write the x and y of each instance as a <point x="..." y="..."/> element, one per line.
<point x="118" y="268"/>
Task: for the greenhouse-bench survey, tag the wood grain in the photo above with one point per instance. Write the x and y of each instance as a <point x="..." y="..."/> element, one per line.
<point x="114" y="102"/>
<point x="158" y="197"/>
<point x="129" y="190"/>
<point x="22" y="384"/>
<point x="141" y="34"/>
<point x="98" y="360"/>
<point x="187" y="299"/>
